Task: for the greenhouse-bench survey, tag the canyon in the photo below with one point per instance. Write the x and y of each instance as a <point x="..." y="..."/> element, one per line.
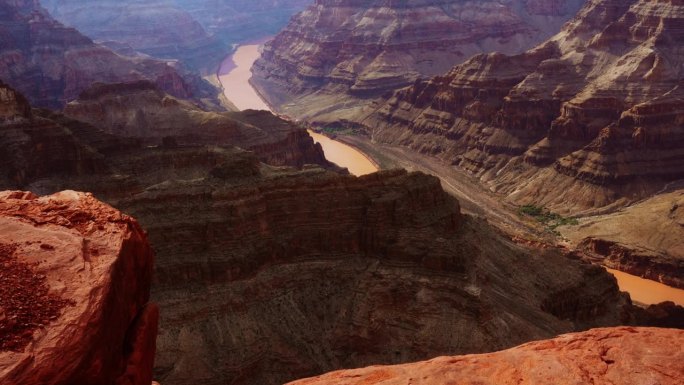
<point x="254" y="280"/>
<point x="583" y="125"/>
<point x="52" y="64"/>
<point x="335" y="56"/>
<point x="273" y="264"/>
<point x="197" y="33"/>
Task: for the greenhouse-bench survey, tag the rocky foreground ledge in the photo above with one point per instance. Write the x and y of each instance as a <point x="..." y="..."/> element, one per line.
<point x="617" y="356"/>
<point x="75" y="279"/>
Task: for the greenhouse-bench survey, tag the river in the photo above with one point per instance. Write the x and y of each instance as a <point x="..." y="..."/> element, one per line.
<point x="234" y="75"/>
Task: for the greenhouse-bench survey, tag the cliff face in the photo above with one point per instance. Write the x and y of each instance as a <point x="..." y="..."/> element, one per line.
<point x="266" y="274"/>
<point x="74" y="300"/>
<point x="51" y="64"/>
<point x="619" y="356"/>
<point x="336" y="55"/>
<point x="591" y="118"/>
<point x="140" y="110"/>
<point x="155" y="28"/>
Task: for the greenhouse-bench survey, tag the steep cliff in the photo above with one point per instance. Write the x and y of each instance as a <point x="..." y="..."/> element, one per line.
<point x="336" y="55"/>
<point x="76" y="277"/>
<point x="619" y="356"/>
<point x="51" y="64"/>
<point x="156" y="28"/>
<point x="590" y="119"/>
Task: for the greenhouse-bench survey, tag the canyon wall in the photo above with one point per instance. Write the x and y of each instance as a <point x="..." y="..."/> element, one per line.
<point x="336" y="55"/>
<point x="76" y="277"/>
<point x="157" y="28"/>
<point x="141" y="110"/>
<point x="267" y="274"/>
<point x="198" y="33"/>
<point x="52" y="64"/>
<point x="590" y="119"/>
<point x="618" y="356"/>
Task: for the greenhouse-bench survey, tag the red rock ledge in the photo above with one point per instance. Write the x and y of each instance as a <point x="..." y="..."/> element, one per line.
<point x="76" y="278"/>
<point x="610" y="356"/>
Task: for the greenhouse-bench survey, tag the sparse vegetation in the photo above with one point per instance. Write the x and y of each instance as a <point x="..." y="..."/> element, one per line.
<point x="549" y="219"/>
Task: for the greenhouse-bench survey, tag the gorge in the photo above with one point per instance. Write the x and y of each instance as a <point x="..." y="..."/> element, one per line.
<point x="316" y="239"/>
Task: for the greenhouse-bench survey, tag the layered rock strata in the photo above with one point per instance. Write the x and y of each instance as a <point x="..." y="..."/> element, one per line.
<point x="267" y="274"/>
<point x="158" y="28"/>
<point x="52" y="64"/>
<point x="76" y="283"/>
<point x="590" y="119"/>
<point x="141" y="110"/>
<point x="335" y="55"/>
<point x="619" y="356"/>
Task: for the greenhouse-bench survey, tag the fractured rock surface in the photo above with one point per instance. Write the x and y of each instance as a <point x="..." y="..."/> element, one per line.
<point x="616" y="356"/>
<point x="83" y="272"/>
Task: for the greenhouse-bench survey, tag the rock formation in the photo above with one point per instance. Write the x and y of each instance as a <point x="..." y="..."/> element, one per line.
<point x="645" y="239"/>
<point x="267" y="274"/>
<point x="51" y="64"/>
<point x="237" y="21"/>
<point x="336" y="55"/>
<point x="156" y="28"/>
<point x="590" y="119"/>
<point x="141" y="110"/>
<point x="76" y="278"/>
<point x="618" y="356"/>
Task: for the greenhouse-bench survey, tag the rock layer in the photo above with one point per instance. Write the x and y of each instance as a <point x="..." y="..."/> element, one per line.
<point x="619" y="356"/>
<point x="141" y="110"/>
<point x="335" y="55"/>
<point x="52" y="64"/>
<point x="98" y="263"/>
<point x="266" y="274"/>
<point x="156" y="28"/>
<point x="590" y="119"/>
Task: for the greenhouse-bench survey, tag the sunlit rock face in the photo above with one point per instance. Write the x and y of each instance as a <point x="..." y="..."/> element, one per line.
<point x="618" y="356"/>
<point x="267" y="274"/>
<point x="52" y="64"/>
<point x="76" y="276"/>
<point x="590" y="119"/>
<point x="336" y="54"/>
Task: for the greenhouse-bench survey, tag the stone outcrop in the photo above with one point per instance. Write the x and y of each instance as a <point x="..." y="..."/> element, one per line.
<point x="590" y="119"/>
<point x="267" y="274"/>
<point x="618" y="356"/>
<point x="141" y="110"/>
<point x="52" y="64"/>
<point x="76" y="277"/>
<point x="158" y="28"/>
<point x="336" y="55"/>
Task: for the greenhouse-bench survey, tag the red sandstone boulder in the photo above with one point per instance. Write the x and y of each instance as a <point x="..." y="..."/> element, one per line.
<point x="74" y="290"/>
<point x="617" y="356"/>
